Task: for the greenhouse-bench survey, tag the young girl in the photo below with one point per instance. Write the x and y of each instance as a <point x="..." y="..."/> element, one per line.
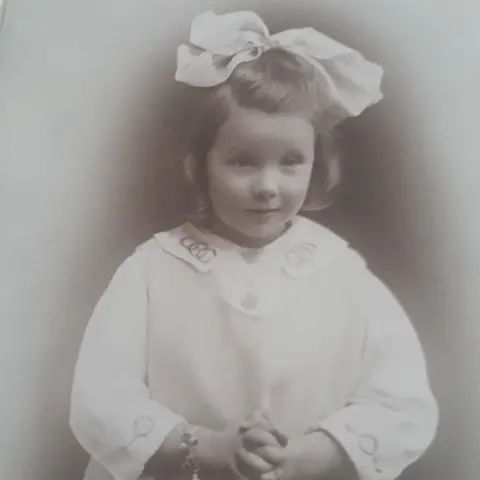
<point x="251" y="342"/>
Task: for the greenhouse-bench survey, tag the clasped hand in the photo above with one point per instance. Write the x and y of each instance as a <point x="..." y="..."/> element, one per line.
<point x="261" y="453"/>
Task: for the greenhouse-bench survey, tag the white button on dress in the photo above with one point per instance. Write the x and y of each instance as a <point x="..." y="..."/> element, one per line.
<point x="250" y="301"/>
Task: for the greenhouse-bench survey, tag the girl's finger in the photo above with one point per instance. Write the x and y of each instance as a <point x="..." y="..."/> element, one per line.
<point x="249" y="464"/>
<point x="274" y="475"/>
<point x="275" y="456"/>
<point x="259" y="436"/>
<point x="266" y="436"/>
<point x="281" y="437"/>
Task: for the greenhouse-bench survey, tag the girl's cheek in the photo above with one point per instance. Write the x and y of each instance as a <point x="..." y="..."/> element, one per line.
<point x="298" y="182"/>
<point x="240" y="178"/>
<point x="234" y="185"/>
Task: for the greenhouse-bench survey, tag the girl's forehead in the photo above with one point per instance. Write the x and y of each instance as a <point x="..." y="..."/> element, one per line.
<point x="246" y="127"/>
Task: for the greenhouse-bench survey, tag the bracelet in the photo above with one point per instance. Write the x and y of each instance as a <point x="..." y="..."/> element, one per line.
<point x="188" y="444"/>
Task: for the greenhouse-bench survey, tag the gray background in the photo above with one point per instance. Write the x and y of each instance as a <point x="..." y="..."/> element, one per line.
<point x="88" y="167"/>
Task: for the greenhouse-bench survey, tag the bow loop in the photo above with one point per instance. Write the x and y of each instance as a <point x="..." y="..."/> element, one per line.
<point x="353" y="82"/>
<point x="228" y="34"/>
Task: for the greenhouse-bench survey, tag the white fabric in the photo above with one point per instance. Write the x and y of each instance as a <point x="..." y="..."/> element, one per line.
<point x="219" y="43"/>
<point x="172" y="339"/>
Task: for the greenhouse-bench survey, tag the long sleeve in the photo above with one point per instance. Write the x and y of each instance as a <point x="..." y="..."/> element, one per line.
<point x="391" y="418"/>
<point x="112" y="414"/>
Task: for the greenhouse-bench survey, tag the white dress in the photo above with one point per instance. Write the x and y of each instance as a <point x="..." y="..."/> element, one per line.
<point x="193" y="327"/>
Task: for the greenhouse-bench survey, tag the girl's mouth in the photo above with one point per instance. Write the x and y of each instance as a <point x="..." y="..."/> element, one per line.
<point x="262" y="211"/>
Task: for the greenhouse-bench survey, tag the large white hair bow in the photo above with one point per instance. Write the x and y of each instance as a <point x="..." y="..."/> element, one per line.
<point x="219" y="43"/>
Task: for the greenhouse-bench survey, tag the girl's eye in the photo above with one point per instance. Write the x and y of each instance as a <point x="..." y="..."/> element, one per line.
<point x="293" y="161"/>
<point x="241" y="162"/>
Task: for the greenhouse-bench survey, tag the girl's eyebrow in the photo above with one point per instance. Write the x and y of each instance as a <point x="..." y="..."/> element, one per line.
<point x="237" y="150"/>
<point x="295" y="152"/>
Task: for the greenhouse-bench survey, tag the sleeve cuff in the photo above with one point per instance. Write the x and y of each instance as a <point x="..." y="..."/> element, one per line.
<point x="149" y="431"/>
<point x="361" y="447"/>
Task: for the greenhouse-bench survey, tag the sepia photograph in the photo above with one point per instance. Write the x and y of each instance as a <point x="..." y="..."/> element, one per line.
<point x="240" y="239"/>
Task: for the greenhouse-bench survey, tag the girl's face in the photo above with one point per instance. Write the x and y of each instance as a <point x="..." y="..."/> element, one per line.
<point x="258" y="174"/>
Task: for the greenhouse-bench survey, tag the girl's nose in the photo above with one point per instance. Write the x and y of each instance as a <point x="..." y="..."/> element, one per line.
<point x="265" y="186"/>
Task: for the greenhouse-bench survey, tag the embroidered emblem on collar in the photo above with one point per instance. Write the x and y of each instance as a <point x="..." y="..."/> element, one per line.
<point x="300" y="254"/>
<point x="199" y="250"/>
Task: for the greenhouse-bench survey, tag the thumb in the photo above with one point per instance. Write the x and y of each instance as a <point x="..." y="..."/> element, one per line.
<point x="262" y="416"/>
<point x="258" y="417"/>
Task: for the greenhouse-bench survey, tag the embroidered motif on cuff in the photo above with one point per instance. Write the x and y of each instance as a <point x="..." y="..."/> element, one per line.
<point x="199" y="250"/>
<point x="143" y="426"/>
<point x="368" y="444"/>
